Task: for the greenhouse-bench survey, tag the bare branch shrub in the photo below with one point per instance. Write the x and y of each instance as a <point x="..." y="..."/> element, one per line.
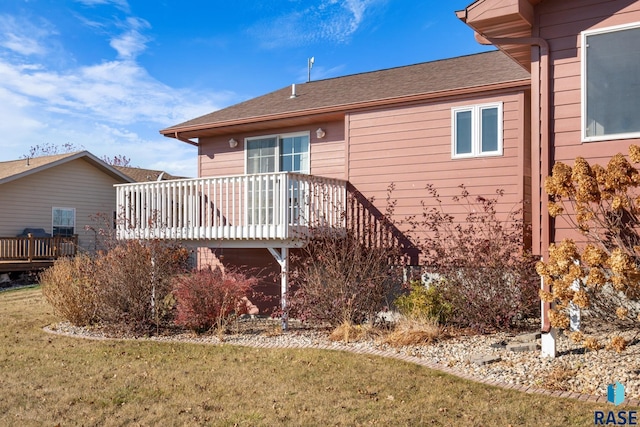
<point x="134" y="281"/>
<point x="341" y="278"/>
<point x="485" y="271"/>
<point x="209" y="298"/>
<point x="49" y="149"/>
<point x="69" y="287"/>
<point x="601" y="274"/>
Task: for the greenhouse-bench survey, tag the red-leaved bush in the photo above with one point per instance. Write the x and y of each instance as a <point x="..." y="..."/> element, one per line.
<point x="210" y="298"/>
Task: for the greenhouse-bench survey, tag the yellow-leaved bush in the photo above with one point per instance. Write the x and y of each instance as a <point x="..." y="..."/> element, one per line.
<point x="600" y="273"/>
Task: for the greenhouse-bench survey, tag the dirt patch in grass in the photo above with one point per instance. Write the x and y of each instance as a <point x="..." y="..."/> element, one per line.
<point x="49" y="380"/>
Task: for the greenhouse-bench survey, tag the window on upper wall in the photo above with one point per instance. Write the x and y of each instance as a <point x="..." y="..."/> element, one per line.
<point x="63" y="221"/>
<point x="476" y="131"/>
<point x="278" y="153"/>
<point x="611" y="83"/>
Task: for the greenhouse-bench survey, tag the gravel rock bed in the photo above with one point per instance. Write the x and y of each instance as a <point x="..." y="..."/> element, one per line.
<point x="574" y="370"/>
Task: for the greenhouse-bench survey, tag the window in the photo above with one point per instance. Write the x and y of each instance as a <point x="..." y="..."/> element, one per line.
<point x="63" y="221"/>
<point x="476" y="131"/>
<point x="278" y="153"/>
<point x="611" y="83"/>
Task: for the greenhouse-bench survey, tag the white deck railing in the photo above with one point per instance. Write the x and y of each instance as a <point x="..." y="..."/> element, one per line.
<point x="272" y="206"/>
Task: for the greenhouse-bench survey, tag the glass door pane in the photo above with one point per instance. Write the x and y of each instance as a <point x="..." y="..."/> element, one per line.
<point x="294" y="157"/>
<point x="261" y="159"/>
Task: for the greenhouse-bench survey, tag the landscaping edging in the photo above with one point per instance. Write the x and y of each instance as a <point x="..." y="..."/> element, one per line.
<point x="292" y="340"/>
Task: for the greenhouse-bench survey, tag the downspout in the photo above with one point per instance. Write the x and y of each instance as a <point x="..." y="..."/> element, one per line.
<point x="540" y="155"/>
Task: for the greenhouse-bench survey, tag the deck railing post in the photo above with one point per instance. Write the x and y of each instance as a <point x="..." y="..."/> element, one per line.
<point x="30" y="247"/>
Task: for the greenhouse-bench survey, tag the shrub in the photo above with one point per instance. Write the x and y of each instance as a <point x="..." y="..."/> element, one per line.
<point x="486" y="273"/>
<point x="341" y="278"/>
<point x="133" y="280"/>
<point x="601" y="273"/>
<point x="424" y="302"/>
<point x="69" y="288"/>
<point x="211" y="298"/>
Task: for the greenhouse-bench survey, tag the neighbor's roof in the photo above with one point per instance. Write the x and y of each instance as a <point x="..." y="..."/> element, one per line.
<point x="429" y="79"/>
<point x="145" y="175"/>
<point x="15" y="169"/>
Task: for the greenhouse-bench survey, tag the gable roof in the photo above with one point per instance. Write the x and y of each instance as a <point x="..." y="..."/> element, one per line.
<point x="145" y="175"/>
<point x="385" y="87"/>
<point x="16" y="169"/>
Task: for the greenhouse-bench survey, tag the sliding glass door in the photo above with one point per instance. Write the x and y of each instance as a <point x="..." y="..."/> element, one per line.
<point x="279" y="153"/>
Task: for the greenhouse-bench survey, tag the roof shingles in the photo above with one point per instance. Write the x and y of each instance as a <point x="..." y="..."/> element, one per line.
<point x="15" y="167"/>
<point x="430" y="77"/>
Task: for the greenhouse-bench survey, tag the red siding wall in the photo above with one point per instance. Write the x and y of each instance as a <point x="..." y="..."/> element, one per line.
<point x="411" y="147"/>
<point x="561" y="24"/>
<point x="326" y="157"/>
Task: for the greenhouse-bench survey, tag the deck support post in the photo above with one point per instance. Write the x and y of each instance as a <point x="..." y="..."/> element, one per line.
<point x="282" y="257"/>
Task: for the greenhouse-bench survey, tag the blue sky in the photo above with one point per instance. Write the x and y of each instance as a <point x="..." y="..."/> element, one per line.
<point x="107" y="75"/>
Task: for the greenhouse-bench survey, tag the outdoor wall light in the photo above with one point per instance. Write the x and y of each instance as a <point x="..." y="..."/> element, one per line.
<point x="320" y="133"/>
<point x="233" y="143"/>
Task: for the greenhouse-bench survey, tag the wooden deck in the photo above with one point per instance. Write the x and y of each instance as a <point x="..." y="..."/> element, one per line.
<point x="34" y="253"/>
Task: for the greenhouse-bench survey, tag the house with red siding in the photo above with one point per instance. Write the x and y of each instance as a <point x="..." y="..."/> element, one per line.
<point x="318" y="152"/>
<point x="584" y="59"/>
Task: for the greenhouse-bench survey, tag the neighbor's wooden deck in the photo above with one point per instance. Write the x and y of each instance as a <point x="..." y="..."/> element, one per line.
<point x="34" y="253"/>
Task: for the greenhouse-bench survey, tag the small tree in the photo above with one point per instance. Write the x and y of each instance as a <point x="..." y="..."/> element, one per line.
<point x="602" y="273"/>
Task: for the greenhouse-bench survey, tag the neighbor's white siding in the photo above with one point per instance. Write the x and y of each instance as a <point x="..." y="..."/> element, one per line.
<point x="27" y="202"/>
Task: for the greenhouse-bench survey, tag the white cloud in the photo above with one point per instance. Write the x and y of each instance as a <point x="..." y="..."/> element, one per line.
<point x="118" y="92"/>
<point x="110" y="107"/>
<point x="328" y="21"/>
<point x="23" y="36"/>
<point x="121" y="4"/>
<point x="131" y="43"/>
<point x="14" y="123"/>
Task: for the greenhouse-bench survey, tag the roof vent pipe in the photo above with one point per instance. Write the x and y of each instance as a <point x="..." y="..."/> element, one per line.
<point x="293" y="91"/>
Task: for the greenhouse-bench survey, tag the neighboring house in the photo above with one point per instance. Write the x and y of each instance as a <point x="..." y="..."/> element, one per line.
<point x="584" y="58"/>
<point x="146" y="175"/>
<point x="57" y="193"/>
<point x="271" y="165"/>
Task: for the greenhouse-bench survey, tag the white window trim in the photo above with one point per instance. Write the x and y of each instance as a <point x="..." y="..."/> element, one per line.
<point x="277" y="136"/>
<point x="476" y="131"/>
<point x="67" y="209"/>
<point x="583" y="84"/>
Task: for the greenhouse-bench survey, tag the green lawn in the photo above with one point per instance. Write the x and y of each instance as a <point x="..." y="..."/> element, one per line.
<point x="53" y="380"/>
